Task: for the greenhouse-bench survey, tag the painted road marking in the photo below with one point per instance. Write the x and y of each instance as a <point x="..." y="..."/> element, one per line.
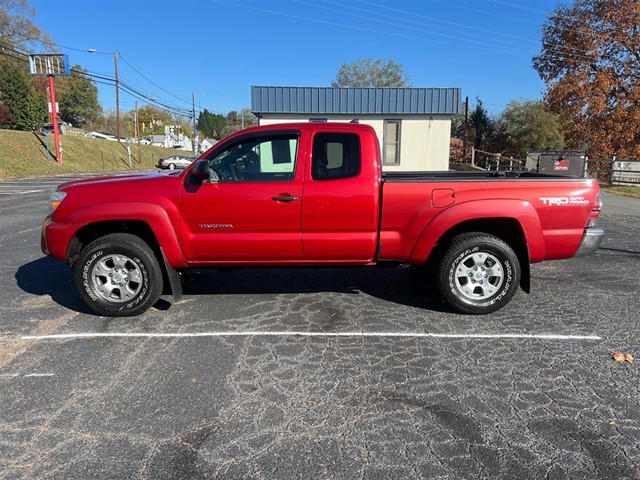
<point x="21" y="192"/>
<point x="28" y="375"/>
<point x="489" y="336"/>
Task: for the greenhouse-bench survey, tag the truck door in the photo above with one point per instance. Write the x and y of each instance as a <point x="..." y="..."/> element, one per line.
<point x="249" y="210"/>
<point x="341" y="207"/>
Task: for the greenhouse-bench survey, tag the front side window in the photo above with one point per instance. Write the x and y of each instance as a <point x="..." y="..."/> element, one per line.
<point x="335" y="156"/>
<point x="391" y="153"/>
<point x="256" y="159"/>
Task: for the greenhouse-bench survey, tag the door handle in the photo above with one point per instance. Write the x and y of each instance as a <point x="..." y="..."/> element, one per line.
<point x="284" y="198"/>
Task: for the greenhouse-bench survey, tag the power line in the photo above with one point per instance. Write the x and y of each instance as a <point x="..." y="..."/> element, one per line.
<point x="107" y="80"/>
<point x="480" y="45"/>
<point x="404" y="26"/>
<point x="447" y="22"/>
<point x="464" y="7"/>
<point x="152" y="82"/>
<point x="520" y="7"/>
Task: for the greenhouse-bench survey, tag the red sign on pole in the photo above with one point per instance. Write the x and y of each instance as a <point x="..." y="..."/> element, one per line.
<point x="54" y="115"/>
<point x="51" y="65"/>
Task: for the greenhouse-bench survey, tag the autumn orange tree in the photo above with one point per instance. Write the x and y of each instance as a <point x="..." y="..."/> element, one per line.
<point x="590" y="62"/>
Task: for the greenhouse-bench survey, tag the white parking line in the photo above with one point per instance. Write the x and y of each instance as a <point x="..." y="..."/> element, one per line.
<point x="20" y="192"/>
<point x="67" y="336"/>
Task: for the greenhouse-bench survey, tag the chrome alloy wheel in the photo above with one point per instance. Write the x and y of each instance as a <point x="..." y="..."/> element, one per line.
<point x="116" y="278"/>
<point x="479" y="276"/>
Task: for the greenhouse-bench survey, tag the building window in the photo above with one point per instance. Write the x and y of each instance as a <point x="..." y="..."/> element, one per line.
<point x="391" y="149"/>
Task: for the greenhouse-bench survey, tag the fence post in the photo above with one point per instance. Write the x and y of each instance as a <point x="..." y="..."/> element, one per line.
<point x="613" y="161"/>
<point x="585" y="167"/>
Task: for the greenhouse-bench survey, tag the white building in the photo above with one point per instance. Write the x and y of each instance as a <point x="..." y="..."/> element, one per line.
<point x="413" y="124"/>
<point x="170" y="139"/>
<point x="207" y="143"/>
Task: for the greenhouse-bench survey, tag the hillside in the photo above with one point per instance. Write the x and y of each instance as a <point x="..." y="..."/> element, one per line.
<point x="24" y="154"/>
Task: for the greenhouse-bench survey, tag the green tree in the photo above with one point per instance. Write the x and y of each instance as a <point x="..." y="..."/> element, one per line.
<point x="185" y="125"/>
<point x="17" y="28"/>
<point x="211" y="124"/>
<point x="480" y="129"/>
<point x="528" y="127"/>
<point x="5" y="117"/>
<point x="482" y="126"/>
<point x="237" y="121"/>
<point x="26" y="105"/>
<point x="458" y="126"/>
<point x="367" y="72"/>
<point x="77" y="97"/>
<point x="590" y="62"/>
<point x="152" y="120"/>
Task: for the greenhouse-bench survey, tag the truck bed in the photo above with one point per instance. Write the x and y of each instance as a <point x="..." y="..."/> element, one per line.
<point x="462" y="176"/>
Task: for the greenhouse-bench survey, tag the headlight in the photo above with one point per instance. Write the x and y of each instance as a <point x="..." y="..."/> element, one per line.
<point x="56" y="199"/>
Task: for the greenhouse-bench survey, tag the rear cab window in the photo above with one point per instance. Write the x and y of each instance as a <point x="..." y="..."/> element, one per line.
<point x="335" y="156"/>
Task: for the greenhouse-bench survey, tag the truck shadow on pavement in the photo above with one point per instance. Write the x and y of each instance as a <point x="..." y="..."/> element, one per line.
<point x="404" y="286"/>
<point x="47" y="276"/>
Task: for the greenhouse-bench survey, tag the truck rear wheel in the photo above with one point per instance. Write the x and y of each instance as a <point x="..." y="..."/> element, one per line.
<point x="118" y="276"/>
<point x="478" y="274"/>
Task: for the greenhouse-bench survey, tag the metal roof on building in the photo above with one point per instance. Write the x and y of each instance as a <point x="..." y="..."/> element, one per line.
<point x="330" y="100"/>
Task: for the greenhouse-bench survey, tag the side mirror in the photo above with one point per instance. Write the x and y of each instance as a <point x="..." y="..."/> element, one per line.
<point x="201" y="170"/>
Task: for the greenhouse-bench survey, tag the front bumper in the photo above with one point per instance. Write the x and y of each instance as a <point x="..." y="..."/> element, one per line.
<point x="590" y="241"/>
<point x="43" y="237"/>
<point x="56" y="237"/>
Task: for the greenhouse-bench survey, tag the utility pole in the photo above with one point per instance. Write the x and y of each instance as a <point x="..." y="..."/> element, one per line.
<point x="115" y="62"/>
<point x="466" y="125"/>
<point x="137" y="129"/>
<point x="193" y="112"/>
<point x="115" y="65"/>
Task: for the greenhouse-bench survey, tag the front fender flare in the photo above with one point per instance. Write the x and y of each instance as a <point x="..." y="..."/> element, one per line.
<point x="153" y="215"/>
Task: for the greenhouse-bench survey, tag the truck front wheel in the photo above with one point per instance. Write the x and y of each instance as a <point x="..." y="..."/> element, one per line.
<point x="478" y="274"/>
<point x="118" y="275"/>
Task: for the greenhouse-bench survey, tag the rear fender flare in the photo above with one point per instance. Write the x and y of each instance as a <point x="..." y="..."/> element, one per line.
<point x="519" y="210"/>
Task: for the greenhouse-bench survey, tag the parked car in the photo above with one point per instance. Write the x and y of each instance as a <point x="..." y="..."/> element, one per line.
<point x="175" y="161"/>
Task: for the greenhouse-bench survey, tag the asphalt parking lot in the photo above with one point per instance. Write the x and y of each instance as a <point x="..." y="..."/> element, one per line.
<point x="319" y="373"/>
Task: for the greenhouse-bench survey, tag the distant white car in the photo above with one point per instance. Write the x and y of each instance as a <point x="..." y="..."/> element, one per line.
<point x="175" y="161"/>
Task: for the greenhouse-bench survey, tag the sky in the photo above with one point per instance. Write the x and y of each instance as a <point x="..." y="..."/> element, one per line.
<point x="210" y="52"/>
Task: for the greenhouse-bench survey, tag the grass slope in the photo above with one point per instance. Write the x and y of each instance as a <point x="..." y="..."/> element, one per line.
<point x="24" y="154"/>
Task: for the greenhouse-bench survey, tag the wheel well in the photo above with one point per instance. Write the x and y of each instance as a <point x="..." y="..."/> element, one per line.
<point x="89" y="233"/>
<point x="507" y="229"/>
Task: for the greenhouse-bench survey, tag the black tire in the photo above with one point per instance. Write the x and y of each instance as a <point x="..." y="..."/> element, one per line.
<point x="172" y="166"/>
<point x="478" y="274"/>
<point x="118" y="276"/>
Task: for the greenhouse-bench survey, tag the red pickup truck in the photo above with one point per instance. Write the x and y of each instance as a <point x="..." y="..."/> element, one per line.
<point x="313" y="194"/>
